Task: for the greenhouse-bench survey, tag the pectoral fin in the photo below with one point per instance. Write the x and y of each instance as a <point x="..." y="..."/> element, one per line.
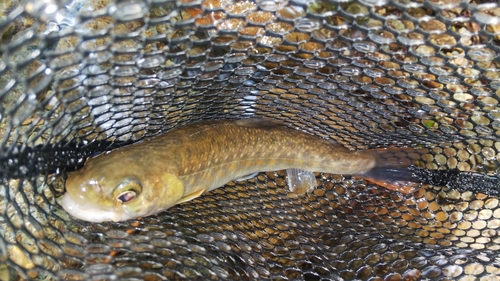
<point x="300" y="182"/>
<point x="191" y="196"/>
<point x="94" y="155"/>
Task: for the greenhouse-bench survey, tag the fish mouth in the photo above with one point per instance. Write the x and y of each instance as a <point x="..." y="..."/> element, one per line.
<point x="89" y="212"/>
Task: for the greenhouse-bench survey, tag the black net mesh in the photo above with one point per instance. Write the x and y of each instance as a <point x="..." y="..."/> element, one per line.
<point x="82" y="77"/>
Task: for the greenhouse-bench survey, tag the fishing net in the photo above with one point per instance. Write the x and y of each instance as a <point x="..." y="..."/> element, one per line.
<point x="78" y="78"/>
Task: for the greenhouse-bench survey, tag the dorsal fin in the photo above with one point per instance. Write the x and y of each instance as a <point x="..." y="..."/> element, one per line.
<point x="258" y="123"/>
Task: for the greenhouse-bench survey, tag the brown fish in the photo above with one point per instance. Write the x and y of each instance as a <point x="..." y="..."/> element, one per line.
<point x="153" y="175"/>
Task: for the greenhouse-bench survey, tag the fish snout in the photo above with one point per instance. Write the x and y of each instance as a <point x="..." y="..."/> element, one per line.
<point x="90" y="212"/>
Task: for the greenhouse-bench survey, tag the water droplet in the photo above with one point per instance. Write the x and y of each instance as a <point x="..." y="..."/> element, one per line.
<point x="240" y="8"/>
<point x="365" y="47"/>
<point x="410" y="40"/>
<point x="338" y="45"/>
<point x="415" y="68"/>
<point x="96" y="80"/>
<point x="307" y="25"/>
<point x="381" y="37"/>
<point x="448" y="79"/>
<point x="350" y="71"/>
<point x="269" y="40"/>
<point x="99" y="268"/>
<point x="291" y="13"/>
<point x="314" y="64"/>
<point x="124" y="71"/>
<point x="495" y="84"/>
<point x="93" y="70"/>
<point x="481" y="54"/>
<point x="231" y="24"/>
<point x="102" y="100"/>
<point x="129" y="10"/>
<point x="279" y="27"/>
<point x="45" y="9"/>
<point x="432" y="61"/>
<point x="213" y="65"/>
<point x="374" y="72"/>
<point x="374" y="3"/>
<point x="23" y="36"/>
<point x="63" y="19"/>
<point x="105" y="123"/>
<point x="486" y="17"/>
<point x="233" y="58"/>
<point x="271" y="5"/>
<point x="147" y="83"/>
<point x="150" y="62"/>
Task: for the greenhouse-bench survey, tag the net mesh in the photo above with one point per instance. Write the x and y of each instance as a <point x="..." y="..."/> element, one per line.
<point x="81" y="77"/>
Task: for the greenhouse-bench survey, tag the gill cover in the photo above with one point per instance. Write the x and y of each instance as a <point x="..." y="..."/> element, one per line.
<point x="172" y="192"/>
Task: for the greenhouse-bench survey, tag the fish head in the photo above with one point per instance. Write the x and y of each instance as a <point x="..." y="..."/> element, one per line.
<point x="119" y="187"/>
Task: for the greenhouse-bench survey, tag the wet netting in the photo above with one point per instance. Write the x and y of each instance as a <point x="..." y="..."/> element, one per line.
<point x="82" y="77"/>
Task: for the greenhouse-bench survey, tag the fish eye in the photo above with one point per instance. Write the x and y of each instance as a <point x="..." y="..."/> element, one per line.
<point x="127" y="190"/>
<point x="126" y="196"/>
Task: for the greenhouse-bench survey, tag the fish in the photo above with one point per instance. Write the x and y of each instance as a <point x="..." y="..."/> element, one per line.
<point x="152" y="175"/>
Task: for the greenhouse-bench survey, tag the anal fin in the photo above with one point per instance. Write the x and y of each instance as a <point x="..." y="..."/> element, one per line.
<point x="404" y="187"/>
<point x="300" y="181"/>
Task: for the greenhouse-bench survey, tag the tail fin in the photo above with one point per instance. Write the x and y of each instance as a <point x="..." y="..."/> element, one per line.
<point x="391" y="169"/>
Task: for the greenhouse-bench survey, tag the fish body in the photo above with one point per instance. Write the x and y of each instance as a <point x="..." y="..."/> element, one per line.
<point x="153" y="175"/>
